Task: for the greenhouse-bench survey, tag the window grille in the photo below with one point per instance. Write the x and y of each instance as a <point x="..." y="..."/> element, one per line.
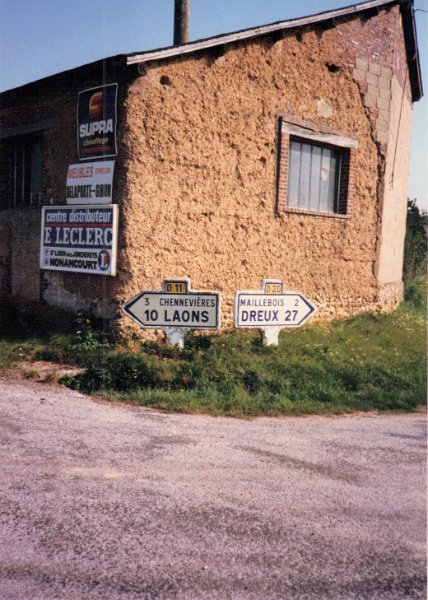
<point x="22" y="172"/>
<point x="314" y="175"/>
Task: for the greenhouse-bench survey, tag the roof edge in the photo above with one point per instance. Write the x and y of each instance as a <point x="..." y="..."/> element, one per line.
<point x="116" y="61"/>
<point x="411" y="40"/>
<point x="246" y="34"/>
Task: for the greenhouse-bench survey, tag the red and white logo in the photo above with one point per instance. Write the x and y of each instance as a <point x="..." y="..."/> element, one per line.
<point x="96" y="105"/>
<point x="104" y="260"/>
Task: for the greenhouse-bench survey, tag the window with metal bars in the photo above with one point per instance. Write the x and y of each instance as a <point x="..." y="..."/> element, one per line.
<point x="314" y="176"/>
<point x="315" y="169"/>
<point x="21" y="172"/>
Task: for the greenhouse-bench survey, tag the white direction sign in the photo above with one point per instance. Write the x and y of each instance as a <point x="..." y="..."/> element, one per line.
<point x="176" y="307"/>
<point x="271" y="309"/>
<point x="256" y="309"/>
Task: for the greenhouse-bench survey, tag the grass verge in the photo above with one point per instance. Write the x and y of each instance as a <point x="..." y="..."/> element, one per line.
<point x="370" y="362"/>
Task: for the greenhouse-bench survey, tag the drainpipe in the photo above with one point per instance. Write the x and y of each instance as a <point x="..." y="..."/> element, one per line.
<point x="181" y="22"/>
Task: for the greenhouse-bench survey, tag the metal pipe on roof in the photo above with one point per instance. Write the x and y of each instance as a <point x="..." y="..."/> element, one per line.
<point x="181" y="22"/>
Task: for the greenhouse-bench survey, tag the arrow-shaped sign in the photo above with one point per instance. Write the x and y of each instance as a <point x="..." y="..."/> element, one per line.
<point x="159" y="310"/>
<point x="257" y="309"/>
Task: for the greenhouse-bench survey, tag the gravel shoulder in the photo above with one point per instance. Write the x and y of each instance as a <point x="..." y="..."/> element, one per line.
<point x="106" y="501"/>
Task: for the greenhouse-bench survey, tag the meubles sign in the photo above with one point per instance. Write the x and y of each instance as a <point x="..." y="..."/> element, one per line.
<point x="90" y="183"/>
<point x="81" y="240"/>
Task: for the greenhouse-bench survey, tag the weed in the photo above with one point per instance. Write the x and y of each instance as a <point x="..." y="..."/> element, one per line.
<point x="87" y="338"/>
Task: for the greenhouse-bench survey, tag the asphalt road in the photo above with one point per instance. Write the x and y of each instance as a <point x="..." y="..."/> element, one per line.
<point x="110" y="502"/>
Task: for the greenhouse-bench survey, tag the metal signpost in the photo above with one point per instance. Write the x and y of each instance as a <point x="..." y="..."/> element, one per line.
<point x="175" y="310"/>
<point x="270" y="309"/>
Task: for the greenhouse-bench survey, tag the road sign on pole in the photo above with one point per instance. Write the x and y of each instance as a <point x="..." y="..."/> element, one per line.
<point x="271" y="309"/>
<point x="176" y="309"/>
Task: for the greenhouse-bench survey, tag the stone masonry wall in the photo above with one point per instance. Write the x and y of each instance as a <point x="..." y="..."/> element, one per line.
<point x="200" y="151"/>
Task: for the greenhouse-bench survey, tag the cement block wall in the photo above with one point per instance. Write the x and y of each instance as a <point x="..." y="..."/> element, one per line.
<point x="377" y="49"/>
<point x="394" y="207"/>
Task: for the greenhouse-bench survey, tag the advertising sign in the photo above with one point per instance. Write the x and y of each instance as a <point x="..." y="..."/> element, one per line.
<point x="90" y="183"/>
<point x="81" y="240"/>
<point x="96" y="122"/>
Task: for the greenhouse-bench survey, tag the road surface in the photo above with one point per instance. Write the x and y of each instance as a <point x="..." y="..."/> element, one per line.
<point x="103" y="501"/>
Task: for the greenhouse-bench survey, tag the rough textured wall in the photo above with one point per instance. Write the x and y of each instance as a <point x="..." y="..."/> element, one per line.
<point x="19" y="255"/>
<point x="200" y="144"/>
<point x="5" y="274"/>
<point x="25" y="240"/>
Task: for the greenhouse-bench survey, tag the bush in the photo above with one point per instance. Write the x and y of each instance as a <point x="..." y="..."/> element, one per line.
<point x="121" y="371"/>
<point x="415" y="244"/>
<point x="415" y="292"/>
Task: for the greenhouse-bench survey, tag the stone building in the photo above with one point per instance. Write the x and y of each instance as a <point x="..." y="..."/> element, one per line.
<point x="280" y="151"/>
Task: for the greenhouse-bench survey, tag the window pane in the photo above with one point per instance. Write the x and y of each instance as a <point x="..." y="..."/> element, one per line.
<point x="333" y="181"/>
<point x="19" y="174"/>
<point x="26" y="189"/>
<point x="15" y="175"/>
<point x="315" y="184"/>
<point x="36" y="175"/>
<point x="21" y="171"/>
<point x="313" y="176"/>
<point x="7" y="170"/>
<point x="325" y="179"/>
<point x="294" y="174"/>
<point x="305" y="175"/>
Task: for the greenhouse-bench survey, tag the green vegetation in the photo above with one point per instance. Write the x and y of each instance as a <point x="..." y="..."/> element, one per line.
<point x="415" y="245"/>
<point x="370" y="362"/>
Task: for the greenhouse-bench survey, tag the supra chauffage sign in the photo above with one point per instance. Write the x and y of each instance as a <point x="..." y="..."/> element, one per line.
<point x="82" y="240"/>
<point x="96" y="122"/>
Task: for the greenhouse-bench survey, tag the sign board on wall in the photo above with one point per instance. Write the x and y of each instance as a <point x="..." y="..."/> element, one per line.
<point x="90" y="183"/>
<point x="80" y="240"/>
<point x="96" y="122"/>
<point x="255" y="309"/>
